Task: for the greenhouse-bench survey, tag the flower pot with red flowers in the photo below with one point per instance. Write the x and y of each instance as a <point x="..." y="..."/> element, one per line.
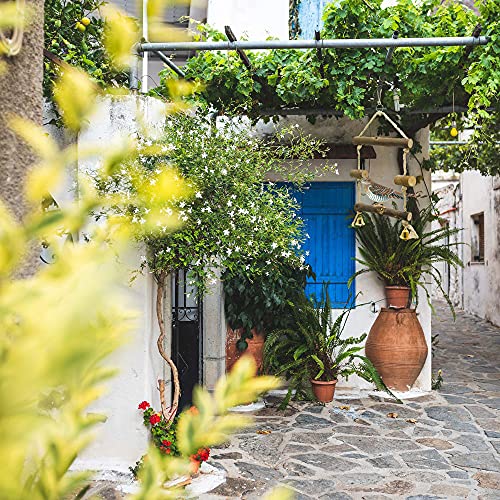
<point x="164" y="437"/>
<point x="314" y="352"/>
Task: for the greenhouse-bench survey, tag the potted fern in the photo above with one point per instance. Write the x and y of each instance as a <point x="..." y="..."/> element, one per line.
<point x="405" y="264"/>
<point x="313" y="352"/>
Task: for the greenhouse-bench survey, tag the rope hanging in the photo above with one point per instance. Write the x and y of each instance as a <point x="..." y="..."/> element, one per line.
<point x="12" y="46"/>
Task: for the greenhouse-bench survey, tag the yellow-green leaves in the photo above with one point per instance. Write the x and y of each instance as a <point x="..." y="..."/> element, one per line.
<point x="241" y="386"/>
<point x="75" y="94"/>
<point x="209" y="423"/>
<point x="121" y="34"/>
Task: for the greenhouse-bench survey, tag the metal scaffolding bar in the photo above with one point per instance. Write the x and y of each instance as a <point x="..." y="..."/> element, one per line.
<point x="347" y="43"/>
<point x="170" y="64"/>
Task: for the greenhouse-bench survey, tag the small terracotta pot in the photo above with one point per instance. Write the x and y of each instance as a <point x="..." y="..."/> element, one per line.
<point x="323" y="391"/>
<point x="398" y="297"/>
<point x="255" y="348"/>
<point x="195" y="466"/>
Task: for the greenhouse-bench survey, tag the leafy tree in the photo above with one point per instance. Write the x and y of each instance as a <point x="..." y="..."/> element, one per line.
<point x="427" y="78"/>
<point x="74" y="34"/>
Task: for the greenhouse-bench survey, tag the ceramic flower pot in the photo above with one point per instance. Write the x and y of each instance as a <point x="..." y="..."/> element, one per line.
<point x="397" y="348"/>
<point x="255" y="348"/>
<point x="397" y="297"/>
<point x="323" y="391"/>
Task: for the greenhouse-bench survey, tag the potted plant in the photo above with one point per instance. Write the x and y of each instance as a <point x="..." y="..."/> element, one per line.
<point x="314" y="353"/>
<point x="257" y="303"/>
<point x="402" y="264"/>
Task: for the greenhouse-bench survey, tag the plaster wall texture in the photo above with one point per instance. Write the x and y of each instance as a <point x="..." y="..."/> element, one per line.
<point x="122" y="439"/>
<point x="255" y="20"/>
<point x="481" y="281"/>
<point x="448" y="208"/>
<point x="21" y="95"/>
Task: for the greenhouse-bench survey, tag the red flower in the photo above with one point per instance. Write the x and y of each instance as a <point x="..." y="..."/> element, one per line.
<point x="166" y="443"/>
<point x="167" y="451"/>
<point x="154" y="419"/>
<point x="144" y="405"/>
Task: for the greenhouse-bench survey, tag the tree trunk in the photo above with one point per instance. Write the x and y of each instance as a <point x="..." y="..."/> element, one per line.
<point x="168" y="413"/>
<point x="21" y="94"/>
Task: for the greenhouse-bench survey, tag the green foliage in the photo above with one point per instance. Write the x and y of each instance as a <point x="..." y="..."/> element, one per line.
<point x="482" y="154"/>
<point x="164" y="437"/>
<point x="314" y="348"/>
<point x="427" y="77"/>
<point x="76" y="43"/>
<point x="55" y="337"/>
<point x="406" y="262"/>
<point x="262" y="301"/>
<point x="232" y="220"/>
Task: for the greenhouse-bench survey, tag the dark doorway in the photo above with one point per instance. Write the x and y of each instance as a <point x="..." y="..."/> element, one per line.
<point x="187" y="338"/>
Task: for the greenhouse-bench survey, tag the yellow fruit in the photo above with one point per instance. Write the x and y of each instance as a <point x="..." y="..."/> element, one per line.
<point x="85" y="21"/>
<point x="80" y="26"/>
<point x="453" y="132"/>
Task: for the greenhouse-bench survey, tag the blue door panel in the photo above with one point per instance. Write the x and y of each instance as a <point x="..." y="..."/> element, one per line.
<point x="325" y="209"/>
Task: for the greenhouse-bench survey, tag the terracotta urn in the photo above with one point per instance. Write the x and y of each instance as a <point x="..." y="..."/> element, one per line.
<point x="255" y="348"/>
<point x="396" y="346"/>
<point x="397" y="297"/>
<point x="323" y="391"/>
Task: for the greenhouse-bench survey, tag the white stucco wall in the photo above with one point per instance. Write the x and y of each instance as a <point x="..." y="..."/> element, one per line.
<point x="255" y="20"/>
<point x="122" y="439"/>
<point x="481" y="280"/>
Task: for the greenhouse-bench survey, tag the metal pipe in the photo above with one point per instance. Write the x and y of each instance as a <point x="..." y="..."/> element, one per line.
<point x="134" y="73"/>
<point x="347" y="43"/>
<point x="170" y="64"/>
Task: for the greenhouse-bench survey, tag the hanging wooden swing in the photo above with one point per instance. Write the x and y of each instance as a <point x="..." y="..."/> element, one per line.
<point x="377" y="192"/>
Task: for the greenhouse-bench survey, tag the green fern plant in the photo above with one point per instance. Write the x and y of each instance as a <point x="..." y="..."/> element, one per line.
<point x="409" y="263"/>
<point x="315" y="349"/>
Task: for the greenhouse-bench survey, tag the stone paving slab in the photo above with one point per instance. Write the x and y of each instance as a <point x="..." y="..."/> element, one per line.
<point x="329" y="452"/>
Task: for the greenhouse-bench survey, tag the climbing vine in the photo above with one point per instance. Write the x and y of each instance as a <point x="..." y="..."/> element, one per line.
<point x="427" y="78"/>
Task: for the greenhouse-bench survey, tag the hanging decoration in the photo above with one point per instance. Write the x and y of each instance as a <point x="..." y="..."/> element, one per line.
<point x="454" y="130"/>
<point x="377" y="192"/>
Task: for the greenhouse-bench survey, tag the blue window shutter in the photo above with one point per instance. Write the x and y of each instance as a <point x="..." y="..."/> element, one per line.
<point x="325" y="208"/>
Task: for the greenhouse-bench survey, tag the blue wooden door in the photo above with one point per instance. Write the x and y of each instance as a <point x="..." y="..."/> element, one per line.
<point x="325" y="209"/>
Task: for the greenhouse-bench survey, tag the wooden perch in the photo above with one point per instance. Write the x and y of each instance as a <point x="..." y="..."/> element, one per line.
<point x="359" y="174"/>
<point x="382" y="210"/>
<point x="405" y="180"/>
<point x="383" y="141"/>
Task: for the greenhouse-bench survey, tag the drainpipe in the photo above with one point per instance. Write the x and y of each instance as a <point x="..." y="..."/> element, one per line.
<point x="145" y="55"/>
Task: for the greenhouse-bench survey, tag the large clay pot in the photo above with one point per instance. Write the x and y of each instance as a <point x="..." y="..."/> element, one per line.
<point x="396" y="346"/>
<point x="323" y="391"/>
<point x="397" y="297"/>
<point x="255" y="348"/>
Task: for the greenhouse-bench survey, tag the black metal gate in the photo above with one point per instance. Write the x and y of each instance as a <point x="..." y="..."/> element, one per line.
<point x="187" y="336"/>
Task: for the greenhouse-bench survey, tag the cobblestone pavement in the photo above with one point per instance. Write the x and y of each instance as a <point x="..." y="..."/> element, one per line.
<point x="442" y="445"/>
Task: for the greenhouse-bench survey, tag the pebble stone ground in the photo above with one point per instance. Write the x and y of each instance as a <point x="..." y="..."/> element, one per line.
<point x="442" y="445"/>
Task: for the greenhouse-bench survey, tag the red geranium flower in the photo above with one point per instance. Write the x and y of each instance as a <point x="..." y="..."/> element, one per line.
<point x="154" y="419"/>
<point x="166" y="443"/>
<point x="144" y="405"/>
